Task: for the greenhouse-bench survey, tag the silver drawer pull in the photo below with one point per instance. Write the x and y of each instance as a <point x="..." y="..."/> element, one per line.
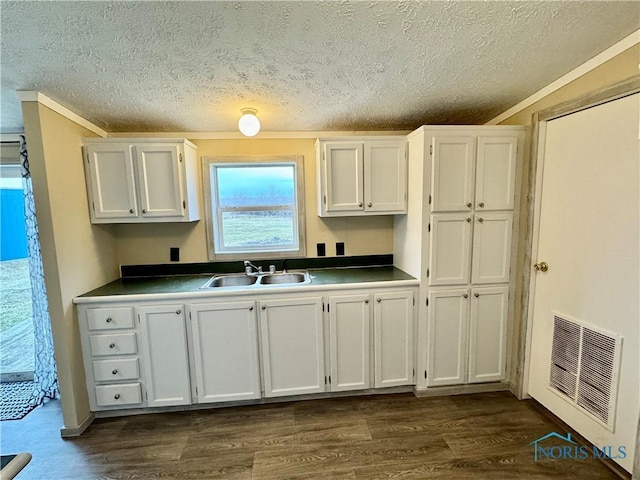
<point x="116" y="396"/>
<point x="115" y="371"/>
<point x="109" y="320"/>
<point x="113" y="345"/>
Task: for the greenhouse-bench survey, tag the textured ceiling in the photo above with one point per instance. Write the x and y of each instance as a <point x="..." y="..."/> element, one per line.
<point x="191" y="66"/>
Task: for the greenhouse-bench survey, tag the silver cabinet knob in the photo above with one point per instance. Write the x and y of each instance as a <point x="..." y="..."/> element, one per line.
<point x="481" y="204"/>
<point x="116" y="396"/>
<point x="264" y="307"/>
<point x="113" y="345"/>
<point x="114" y="371"/>
<point x="366" y="301"/>
<point x="369" y="204"/>
<point x="109" y="320"/>
<point x="144" y="210"/>
<point x="468" y="220"/>
<point x="469" y="204"/>
<point x="378" y="299"/>
<point x="360" y="204"/>
<point x="476" y="295"/>
<point x="131" y="210"/>
<point x="251" y="308"/>
<point x="481" y="220"/>
<point x="178" y="312"/>
<point x="465" y="295"/>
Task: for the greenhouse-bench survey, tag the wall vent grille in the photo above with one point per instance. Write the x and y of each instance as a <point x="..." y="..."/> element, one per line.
<point x="585" y="363"/>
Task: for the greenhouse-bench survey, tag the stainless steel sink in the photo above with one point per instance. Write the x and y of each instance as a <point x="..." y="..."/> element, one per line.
<point x="239" y="280"/>
<point x="258" y="280"/>
<point x="283" y="278"/>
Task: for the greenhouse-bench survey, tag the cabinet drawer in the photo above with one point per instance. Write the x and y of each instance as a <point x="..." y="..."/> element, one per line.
<point x="114" y="395"/>
<point x="110" y="318"/>
<point x="113" y="344"/>
<point x="120" y="369"/>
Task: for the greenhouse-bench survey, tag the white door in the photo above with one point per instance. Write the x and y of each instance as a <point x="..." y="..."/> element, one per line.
<point x="344" y="167"/>
<point x="112" y="183"/>
<point x="393" y="333"/>
<point x="292" y="346"/>
<point x="225" y="351"/>
<point x="349" y="342"/>
<point x="496" y="173"/>
<point x="164" y="355"/>
<point x="452" y="179"/>
<point x="385" y="176"/>
<point x="492" y="247"/>
<point x="450" y="249"/>
<point x="160" y="180"/>
<point x="488" y="334"/>
<point x="588" y="235"/>
<point x="447" y="337"/>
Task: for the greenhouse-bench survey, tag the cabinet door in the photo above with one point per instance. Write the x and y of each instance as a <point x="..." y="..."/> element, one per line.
<point x="164" y="355"/>
<point x="160" y="180"/>
<point x="452" y="174"/>
<point x="111" y="182"/>
<point x="496" y="173"/>
<point x="344" y="182"/>
<point x="447" y="337"/>
<point x="292" y="346"/>
<point x="393" y="332"/>
<point x="488" y="334"/>
<point x="492" y="247"/>
<point x="349" y="344"/>
<point x="385" y="176"/>
<point x="225" y="351"/>
<point x="450" y="249"/>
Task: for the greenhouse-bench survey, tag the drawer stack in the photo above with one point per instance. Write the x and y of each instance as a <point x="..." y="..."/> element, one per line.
<point x="113" y="349"/>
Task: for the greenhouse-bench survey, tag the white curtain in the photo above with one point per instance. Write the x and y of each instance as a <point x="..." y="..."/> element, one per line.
<point x="44" y="375"/>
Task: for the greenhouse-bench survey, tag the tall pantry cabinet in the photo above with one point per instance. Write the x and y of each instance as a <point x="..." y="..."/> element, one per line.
<point x="457" y="238"/>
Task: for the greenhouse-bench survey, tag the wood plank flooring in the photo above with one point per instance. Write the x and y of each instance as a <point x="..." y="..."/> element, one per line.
<point x="480" y="436"/>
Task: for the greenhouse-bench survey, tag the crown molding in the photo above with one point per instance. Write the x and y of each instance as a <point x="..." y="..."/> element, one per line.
<point x="34" y="96"/>
<point x="616" y="49"/>
<point x="262" y="135"/>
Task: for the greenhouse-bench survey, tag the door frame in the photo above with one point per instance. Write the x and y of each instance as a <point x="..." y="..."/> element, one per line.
<point x="619" y="90"/>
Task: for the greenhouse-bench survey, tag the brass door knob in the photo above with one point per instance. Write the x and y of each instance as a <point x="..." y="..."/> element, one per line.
<point x="542" y="267"/>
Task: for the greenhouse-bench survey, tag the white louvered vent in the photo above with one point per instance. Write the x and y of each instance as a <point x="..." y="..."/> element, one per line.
<point x="585" y="363"/>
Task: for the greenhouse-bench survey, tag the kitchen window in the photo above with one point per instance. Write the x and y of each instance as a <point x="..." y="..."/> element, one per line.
<point x="254" y="206"/>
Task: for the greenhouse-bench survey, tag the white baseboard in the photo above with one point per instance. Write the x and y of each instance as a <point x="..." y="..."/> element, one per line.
<point x="463" y="389"/>
<point x="66" y="432"/>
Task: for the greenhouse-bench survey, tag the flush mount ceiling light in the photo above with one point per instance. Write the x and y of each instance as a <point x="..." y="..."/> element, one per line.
<point x="249" y="124"/>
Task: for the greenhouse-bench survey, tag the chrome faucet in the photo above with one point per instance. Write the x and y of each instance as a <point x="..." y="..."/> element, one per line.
<point x="248" y="266"/>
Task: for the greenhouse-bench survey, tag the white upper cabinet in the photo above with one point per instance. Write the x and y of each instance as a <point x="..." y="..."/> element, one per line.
<point x="367" y="177"/>
<point x="473" y="173"/>
<point x="349" y="342"/>
<point x="141" y="181"/>
<point x="225" y="351"/>
<point x="453" y="173"/>
<point x="496" y="173"/>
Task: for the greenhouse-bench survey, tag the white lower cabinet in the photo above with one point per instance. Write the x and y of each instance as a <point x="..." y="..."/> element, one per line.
<point x="164" y="355"/>
<point x="467" y="335"/>
<point x="350" y="342"/>
<point x="292" y="343"/>
<point x="393" y="332"/>
<point x="225" y="351"/>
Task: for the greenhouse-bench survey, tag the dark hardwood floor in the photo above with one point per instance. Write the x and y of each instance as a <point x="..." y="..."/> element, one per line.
<point x="481" y="436"/>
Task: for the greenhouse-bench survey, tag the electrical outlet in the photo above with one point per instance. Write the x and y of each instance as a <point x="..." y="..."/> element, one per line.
<point x="322" y="249"/>
<point x="339" y="248"/>
<point x="174" y="254"/>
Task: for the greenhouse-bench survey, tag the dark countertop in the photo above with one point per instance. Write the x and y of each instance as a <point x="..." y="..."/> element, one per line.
<point x="191" y="284"/>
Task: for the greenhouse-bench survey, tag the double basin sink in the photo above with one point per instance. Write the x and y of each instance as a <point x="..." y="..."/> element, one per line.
<point x="258" y="279"/>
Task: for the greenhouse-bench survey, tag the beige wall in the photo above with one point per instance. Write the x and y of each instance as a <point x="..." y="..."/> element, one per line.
<point x="361" y="235"/>
<point x="621" y="67"/>
<point x="77" y="256"/>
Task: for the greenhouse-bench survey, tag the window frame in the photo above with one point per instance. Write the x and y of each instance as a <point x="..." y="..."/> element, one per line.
<point x="213" y="215"/>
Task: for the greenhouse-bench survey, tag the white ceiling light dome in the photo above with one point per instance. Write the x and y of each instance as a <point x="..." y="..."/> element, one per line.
<point x="249" y="124"/>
